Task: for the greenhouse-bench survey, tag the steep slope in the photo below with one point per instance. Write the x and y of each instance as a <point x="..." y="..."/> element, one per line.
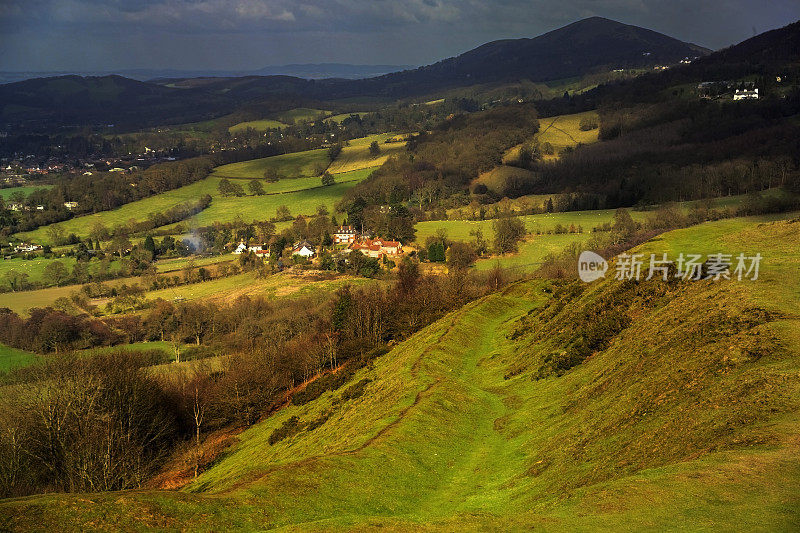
<point x="684" y="413"/>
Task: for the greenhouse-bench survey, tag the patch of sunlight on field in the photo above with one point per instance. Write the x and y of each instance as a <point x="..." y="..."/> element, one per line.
<point x="258" y="125"/>
<point x="356" y="156"/>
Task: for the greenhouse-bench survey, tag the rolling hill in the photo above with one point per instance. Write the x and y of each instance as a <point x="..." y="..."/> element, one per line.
<point x="581" y="48"/>
<point x="682" y="415"/>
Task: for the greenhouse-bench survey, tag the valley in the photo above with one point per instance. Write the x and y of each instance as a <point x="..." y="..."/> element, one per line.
<point x="547" y="283"/>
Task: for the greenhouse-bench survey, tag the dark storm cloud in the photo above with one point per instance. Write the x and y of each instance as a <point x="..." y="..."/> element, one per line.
<point x="240" y="34"/>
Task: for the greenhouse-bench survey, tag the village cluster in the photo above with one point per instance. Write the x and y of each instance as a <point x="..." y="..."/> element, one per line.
<point x="345" y="238"/>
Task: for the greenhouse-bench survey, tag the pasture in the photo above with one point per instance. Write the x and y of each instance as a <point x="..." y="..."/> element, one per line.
<point x="532" y="253"/>
<point x="495" y="179"/>
<point x="356" y="155"/>
<point x="11" y="358"/>
<point x="294" y="165"/>
<point x="26" y="190"/>
<point x="179" y="263"/>
<point x="258" y="125"/>
<point x="302" y="114"/>
<point x="459" y="230"/>
<point x="302" y="195"/>
<point x="341" y="117"/>
<point x="560" y="132"/>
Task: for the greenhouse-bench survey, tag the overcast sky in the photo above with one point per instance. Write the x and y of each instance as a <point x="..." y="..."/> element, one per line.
<point x="86" y="35"/>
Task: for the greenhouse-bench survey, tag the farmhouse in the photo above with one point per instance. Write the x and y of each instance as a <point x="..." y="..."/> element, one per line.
<point x="24" y="248"/>
<point x="303" y="249"/>
<point x="258" y="249"/>
<point x="377" y="248"/>
<point x="345" y="235"/>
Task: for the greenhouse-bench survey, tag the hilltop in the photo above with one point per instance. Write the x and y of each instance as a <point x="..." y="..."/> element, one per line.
<point x="585" y="47"/>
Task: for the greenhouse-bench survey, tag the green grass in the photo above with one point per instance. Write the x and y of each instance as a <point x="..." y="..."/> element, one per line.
<point x="495" y="179"/>
<point x="674" y="425"/>
<point x="258" y="125"/>
<point x="227" y="290"/>
<point x="302" y="195"/>
<point x="532" y="252"/>
<point x="6" y="193"/>
<point x="341" y="117"/>
<point x="35" y="268"/>
<point x="301" y="114"/>
<point x="12" y="358"/>
<point x="356" y="155"/>
<point x="459" y="230"/>
<point x="300" y="202"/>
<point x="292" y="165"/>
<point x="561" y="132"/>
<point x="179" y="263"/>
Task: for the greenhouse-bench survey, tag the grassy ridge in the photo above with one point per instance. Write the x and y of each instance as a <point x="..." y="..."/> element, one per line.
<point x="675" y="424"/>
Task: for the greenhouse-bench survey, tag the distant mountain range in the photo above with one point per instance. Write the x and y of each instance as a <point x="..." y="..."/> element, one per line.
<point x="585" y="47"/>
<point x="312" y="71"/>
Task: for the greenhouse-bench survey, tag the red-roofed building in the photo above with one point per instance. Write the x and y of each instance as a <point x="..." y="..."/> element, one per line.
<point x="377" y="247"/>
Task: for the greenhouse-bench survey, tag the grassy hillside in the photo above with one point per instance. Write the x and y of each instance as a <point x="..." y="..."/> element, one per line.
<point x="258" y="125"/>
<point x="560" y="133"/>
<point x="292" y="165"/>
<point x="302" y="114"/>
<point x="13" y="358"/>
<point x="459" y="230"/>
<point x="683" y="416"/>
<point x="302" y="195"/>
<point x="356" y="155"/>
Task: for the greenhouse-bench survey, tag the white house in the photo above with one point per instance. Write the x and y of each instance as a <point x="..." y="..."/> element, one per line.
<point x="303" y="249"/>
<point x="345" y="235"/>
<point x="27" y="248"/>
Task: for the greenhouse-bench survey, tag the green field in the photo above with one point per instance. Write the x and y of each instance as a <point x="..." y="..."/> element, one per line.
<point x="302" y="114"/>
<point x="561" y="132"/>
<point x="12" y="358"/>
<point x="179" y="263"/>
<point x="304" y="196"/>
<point x="258" y="125"/>
<point x="459" y="230"/>
<point x="676" y="424"/>
<point x="341" y="117"/>
<point x="532" y="253"/>
<point x="227" y="290"/>
<point x="495" y="179"/>
<point x="300" y="202"/>
<point x="294" y="165"/>
<point x="356" y="156"/>
<point x="34" y="268"/>
<point x="6" y="193"/>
